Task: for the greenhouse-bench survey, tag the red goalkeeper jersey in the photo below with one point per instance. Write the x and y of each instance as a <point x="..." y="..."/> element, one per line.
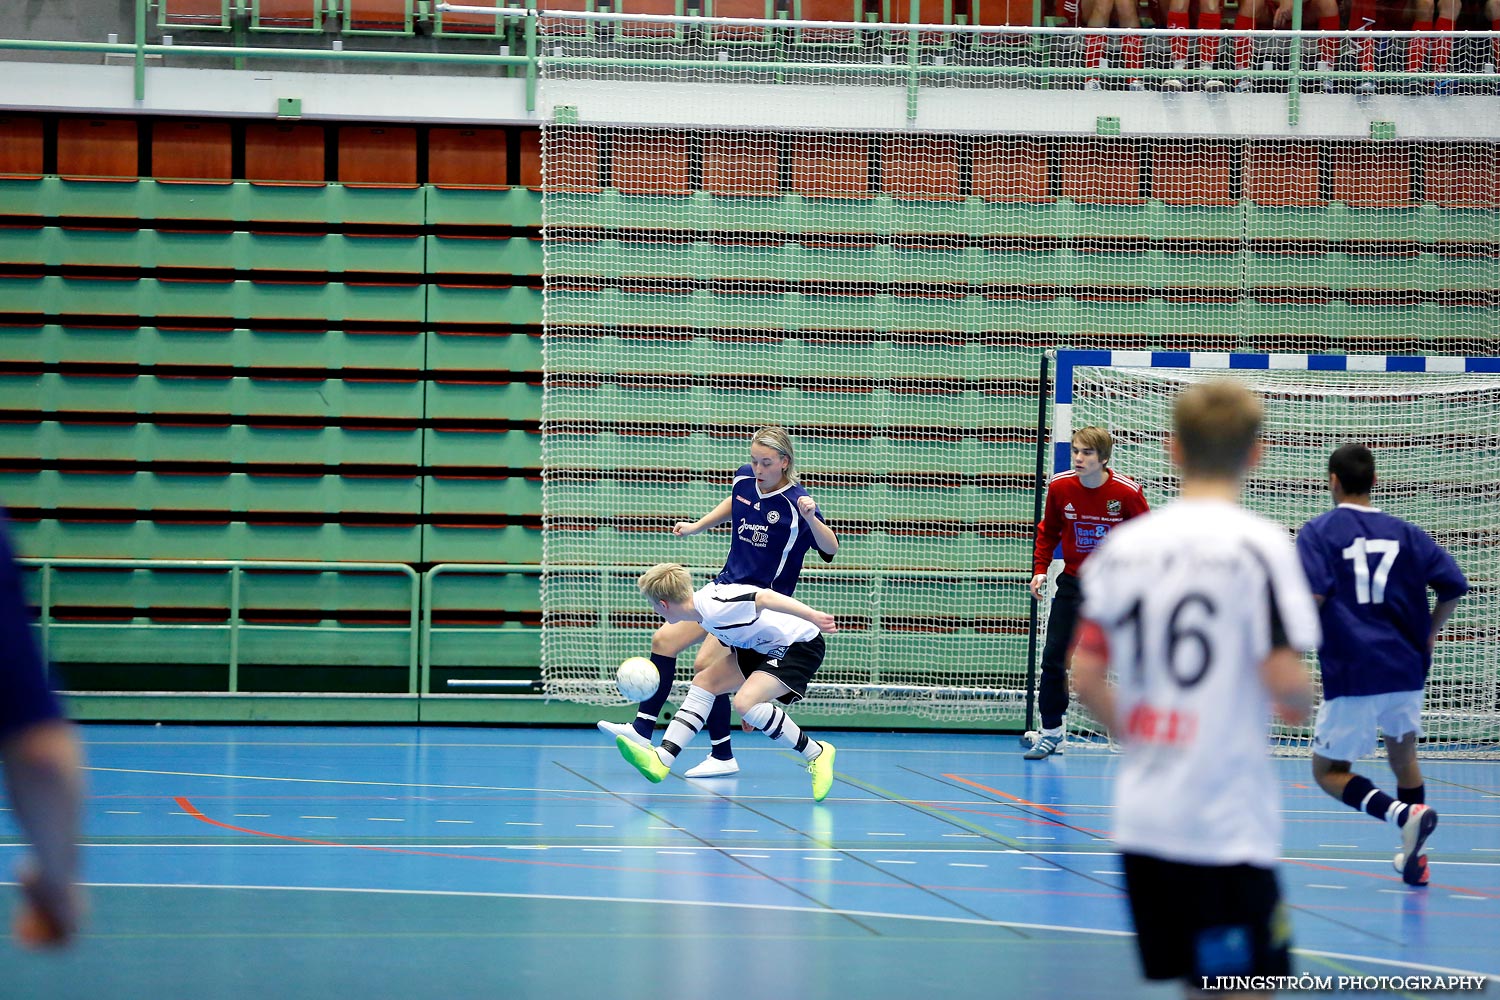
<point x="1080" y="517"/>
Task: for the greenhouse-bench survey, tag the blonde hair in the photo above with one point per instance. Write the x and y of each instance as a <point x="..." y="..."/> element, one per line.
<point x="778" y="440"/>
<point x="668" y="582"/>
<point x="1098" y="439"/>
<point x="1217" y="423"/>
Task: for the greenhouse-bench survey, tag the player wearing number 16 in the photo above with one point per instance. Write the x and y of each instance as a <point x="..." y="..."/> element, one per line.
<point x="1200" y="612"/>
<point x="1370" y="572"/>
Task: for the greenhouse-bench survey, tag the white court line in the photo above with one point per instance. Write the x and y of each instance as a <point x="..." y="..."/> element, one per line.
<point x="252" y="815"/>
<point x="739" y="831"/>
<point x="877" y="833"/>
<point x="822" y="859"/>
<point x="470" y="821"/>
<point x="891" y="861"/>
<point x="964" y="864"/>
<point x="592" y="826"/>
<point x="1459" y="895"/>
<point x="1031" y="868"/>
<point x="762" y="857"/>
<point x="383" y="819"/>
<point x="516" y="822"/>
<point x="1352" y="847"/>
<point x="765" y="907"/>
<point x="1318" y="885"/>
<point x="122" y="812"/>
<point x="299" y="817"/>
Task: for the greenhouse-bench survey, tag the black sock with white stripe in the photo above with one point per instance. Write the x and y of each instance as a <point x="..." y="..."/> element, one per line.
<point x="646" y="715"/>
<point x="772" y="720"/>
<point x="691" y="715"/>
<point x="718" y="729"/>
<point x="1361" y="793"/>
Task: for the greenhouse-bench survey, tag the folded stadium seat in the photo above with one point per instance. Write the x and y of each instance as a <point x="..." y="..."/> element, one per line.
<point x="828" y="10"/>
<point x="650" y="31"/>
<point x="21" y="148"/>
<point x="281" y="153"/>
<point x="733" y="34"/>
<point x="1192" y="173"/>
<point x="98" y="149"/>
<point x="376" y="17"/>
<point x="1459" y="176"/>
<point x="575" y="173"/>
<point x="479" y="445"/>
<point x="287" y="15"/>
<point x="1372" y="175"/>
<point x="467" y="157"/>
<point x="1012" y="170"/>
<point x="377" y="156"/>
<point x="195" y="15"/>
<point x="928" y="12"/>
<point x="558" y="29"/>
<point x="1101" y="172"/>
<point x="921" y="168"/>
<point x="650" y="163"/>
<point x="742" y="165"/>
<point x="831" y="166"/>
<point x="1282" y="174"/>
<point x="456" y="24"/>
<point x="191" y="152"/>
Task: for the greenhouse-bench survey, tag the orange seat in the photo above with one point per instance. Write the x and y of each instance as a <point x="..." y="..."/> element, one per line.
<point x="1012" y="170"/>
<point x="467" y="157"/>
<point x="1279" y="174"/>
<point x="378" y="16"/>
<point x="287" y="15"/>
<point x="1462" y="175"/>
<point x="831" y="166"/>
<point x="21" y="147"/>
<point x="531" y="158"/>
<point x="191" y="151"/>
<point x="1191" y="173"/>
<point x="920" y="168"/>
<point x="741" y="33"/>
<point x="649" y="29"/>
<point x="578" y="171"/>
<point x="553" y="27"/>
<point x="98" y="149"/>
<point x="1102" y="172"/>
<point x="650" y="163"/>
<point x="377" y="156"/>
<point x="742" y="164"/>
<point x="1372" y="175"/>
<point x="282" y="153"/>
<point x="827" y="10"/>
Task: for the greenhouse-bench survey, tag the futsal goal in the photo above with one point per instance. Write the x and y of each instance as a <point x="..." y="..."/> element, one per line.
<point x="1432" y="424"/>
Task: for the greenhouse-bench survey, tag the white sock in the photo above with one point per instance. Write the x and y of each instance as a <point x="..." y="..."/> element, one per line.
<point x="690" y="717"/>
<point x="772" y="720"/>
<point x="1053" y="732"/>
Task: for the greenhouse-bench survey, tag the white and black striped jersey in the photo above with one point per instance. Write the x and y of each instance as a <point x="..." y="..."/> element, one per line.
<point x="730" y="614"/>
<point x="1192" y="599"/>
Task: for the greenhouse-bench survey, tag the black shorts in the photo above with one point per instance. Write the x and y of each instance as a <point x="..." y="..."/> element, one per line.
<point x="794" y="669"/>
<point x="1207" y="920"/>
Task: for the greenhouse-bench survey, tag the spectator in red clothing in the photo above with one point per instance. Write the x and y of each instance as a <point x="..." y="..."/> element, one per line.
<point x="1178" y="16"/>
<point x="1082" y="506"/>
<point x="1492" y="14"/>
<point x="1441" y="48"/>
<point x="1097" y="14"/>
<point x="1320" y="14"/>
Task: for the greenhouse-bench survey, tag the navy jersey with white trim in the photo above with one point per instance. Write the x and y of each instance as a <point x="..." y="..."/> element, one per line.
<point x="1373" y="571"/>
<point x="770" y="537"/>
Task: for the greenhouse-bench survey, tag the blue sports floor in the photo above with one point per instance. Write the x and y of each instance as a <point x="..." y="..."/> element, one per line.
<point x="290" y="863"/>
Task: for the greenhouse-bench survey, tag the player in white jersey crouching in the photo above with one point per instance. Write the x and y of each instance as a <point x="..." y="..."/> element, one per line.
<point x="775" y="646"/>
<point x="1201" y="613"/>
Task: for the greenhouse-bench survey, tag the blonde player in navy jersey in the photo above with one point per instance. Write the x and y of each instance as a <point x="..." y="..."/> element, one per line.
<point x="775" y="522"/>
<point x="1370" y="572"/>
<point x="774" y="644"/>
<point x="1201" y="613"/>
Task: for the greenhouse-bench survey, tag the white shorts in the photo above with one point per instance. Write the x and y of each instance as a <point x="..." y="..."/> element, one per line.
<point x="1345" y="729"/>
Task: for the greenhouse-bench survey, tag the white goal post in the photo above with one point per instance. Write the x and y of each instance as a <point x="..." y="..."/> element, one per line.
<point x="1434" y="425"/>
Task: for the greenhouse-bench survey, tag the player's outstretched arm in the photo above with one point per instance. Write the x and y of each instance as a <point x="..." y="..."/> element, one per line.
<point x="1089" y="673"/>
<point x="823" y="536"/>
<point x="712" y="519"/>
<point x="1290" y="685"/>
<point x="769" y="600"/>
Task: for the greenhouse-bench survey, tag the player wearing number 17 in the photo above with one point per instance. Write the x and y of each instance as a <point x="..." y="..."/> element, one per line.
<point x="1201" y="613"/>
<point x="1370" y="572"/>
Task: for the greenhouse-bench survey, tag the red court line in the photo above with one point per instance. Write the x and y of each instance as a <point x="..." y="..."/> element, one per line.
<point x="1007" y="795"/>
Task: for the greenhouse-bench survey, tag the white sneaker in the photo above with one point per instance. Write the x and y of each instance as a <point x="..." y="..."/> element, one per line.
<point x="1137" y="84"/>
<point x="1213" y="85"/>
<point x="1244" y="86"/>
<point x="1092" y="84"/>
<point x="713" y="767"/>
<point x="1327" y="84"/>
<point x="1367" y="86"/>
<point x="613" y="729"/>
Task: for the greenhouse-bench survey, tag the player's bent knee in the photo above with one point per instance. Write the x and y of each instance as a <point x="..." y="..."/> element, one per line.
<point x="756" y="714"/>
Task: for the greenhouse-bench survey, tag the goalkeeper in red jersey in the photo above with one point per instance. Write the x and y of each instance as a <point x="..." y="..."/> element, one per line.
<point x="1083" y="504"/>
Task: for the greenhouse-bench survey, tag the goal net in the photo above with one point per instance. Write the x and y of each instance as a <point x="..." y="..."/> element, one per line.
<point x="870" y="236"/>
<point x="1432" y="426"/>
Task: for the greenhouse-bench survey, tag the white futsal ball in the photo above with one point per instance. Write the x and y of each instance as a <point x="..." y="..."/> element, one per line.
<point x="637" y="679"/>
